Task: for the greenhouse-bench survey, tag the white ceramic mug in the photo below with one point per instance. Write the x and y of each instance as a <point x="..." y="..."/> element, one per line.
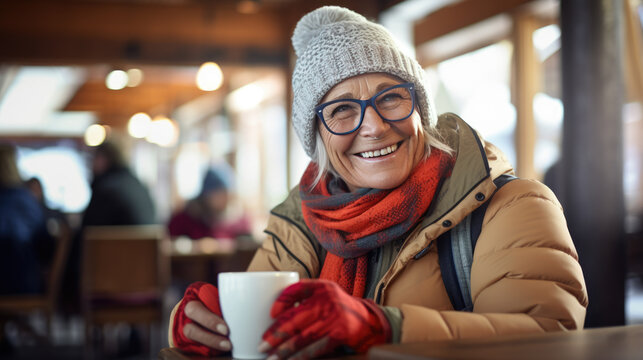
<point x="246" y="299"/>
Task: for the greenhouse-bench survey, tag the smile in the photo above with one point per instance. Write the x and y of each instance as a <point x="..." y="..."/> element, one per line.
<point x="381" y="152"/>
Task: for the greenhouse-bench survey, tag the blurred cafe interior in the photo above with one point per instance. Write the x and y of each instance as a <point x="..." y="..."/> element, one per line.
<point x="186" y="86"/>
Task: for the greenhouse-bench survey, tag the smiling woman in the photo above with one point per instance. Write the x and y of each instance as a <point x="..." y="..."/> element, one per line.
<point x="369" y="224"/>
<point x="399" y="134"/>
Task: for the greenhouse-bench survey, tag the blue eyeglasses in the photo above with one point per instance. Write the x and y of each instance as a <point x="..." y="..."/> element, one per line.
<point x="344" y="116"/>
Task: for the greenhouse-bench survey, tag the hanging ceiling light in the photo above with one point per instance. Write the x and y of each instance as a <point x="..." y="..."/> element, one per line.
<point x="95" y="135"/>
<point x="134" y="77"/>
<point x="139" y="125"/>
<point x="163" y="132"/>
<point x="209" y="77"/>
<point x="116" y="80"/>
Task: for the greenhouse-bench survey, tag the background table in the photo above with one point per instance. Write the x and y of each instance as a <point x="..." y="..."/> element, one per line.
<point x="203" y="259"/>
<point x="613" y="343"/>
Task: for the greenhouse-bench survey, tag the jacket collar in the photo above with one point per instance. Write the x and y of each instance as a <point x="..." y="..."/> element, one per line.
<point x="477" y="163"/>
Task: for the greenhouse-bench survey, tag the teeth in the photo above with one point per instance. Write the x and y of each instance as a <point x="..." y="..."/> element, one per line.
<point x="381" y="152"/>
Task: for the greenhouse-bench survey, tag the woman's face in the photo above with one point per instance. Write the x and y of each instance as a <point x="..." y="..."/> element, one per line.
<point x="345" y="151"/>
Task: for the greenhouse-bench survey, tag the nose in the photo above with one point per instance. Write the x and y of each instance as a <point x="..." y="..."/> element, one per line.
<point x="373" y="125"/>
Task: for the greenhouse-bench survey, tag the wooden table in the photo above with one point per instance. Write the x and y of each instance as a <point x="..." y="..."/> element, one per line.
<point x="174" y="354"/>
<point x="610" y="343"/>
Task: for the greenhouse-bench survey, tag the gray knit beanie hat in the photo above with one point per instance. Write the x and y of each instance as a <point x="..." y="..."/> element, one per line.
<point x="333" y="44"/>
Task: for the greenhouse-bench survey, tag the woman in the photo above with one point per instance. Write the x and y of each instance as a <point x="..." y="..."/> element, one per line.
<point x="387" y="178"/>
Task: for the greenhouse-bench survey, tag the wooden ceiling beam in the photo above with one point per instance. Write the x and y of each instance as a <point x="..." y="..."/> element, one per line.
<point x="190" y="22"/>
<point x="151" y="32"/>
<point x="458" y="16"/>
<point x="50" y="50"/>
<point x="93" y="96"/>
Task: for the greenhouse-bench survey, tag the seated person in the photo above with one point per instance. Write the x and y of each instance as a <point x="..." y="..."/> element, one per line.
<point x="54" y="219"/>
<point x="22" y="224"/>
<point x="118" y="196"/>
<point x="205" y="215"/>
<point x="389" y="183"/>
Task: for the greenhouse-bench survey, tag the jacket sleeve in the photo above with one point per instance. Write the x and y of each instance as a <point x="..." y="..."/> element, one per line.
<point x="287" y="248"/>
<point x="525" y="276"/>
<point x="170" y="338"/>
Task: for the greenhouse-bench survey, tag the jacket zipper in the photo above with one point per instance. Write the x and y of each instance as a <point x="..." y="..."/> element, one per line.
<point x="379" y="294"/>
<point x="413" y="234"/>
<point x="423" y="251"/>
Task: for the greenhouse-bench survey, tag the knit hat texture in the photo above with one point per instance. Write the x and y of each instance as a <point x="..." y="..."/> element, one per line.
<point x="332" y="44"/>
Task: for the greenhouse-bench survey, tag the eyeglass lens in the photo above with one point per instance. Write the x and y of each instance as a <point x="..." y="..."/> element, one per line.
<point x="344" y="116"/>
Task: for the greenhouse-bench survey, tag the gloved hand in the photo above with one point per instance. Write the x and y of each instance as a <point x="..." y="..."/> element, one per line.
<point x="198" y="324"/>
<point x="314" y="317"/>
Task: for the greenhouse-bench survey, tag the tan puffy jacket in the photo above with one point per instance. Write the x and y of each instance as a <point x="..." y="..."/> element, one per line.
<point x="525" y="276"/>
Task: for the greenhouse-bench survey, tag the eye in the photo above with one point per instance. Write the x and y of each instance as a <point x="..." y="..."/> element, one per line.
<point x="389" y="100"/>
<point x="390" y="97"/>
<point x="341" y="109"/>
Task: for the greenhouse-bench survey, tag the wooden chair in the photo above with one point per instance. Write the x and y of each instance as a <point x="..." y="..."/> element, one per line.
<point x="125" y="272"/>
<point x="19" y="307"/>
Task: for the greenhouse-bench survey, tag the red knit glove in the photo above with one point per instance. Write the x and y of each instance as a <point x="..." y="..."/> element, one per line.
<point x="209" y="296"/>
<point x="314" y="317"/>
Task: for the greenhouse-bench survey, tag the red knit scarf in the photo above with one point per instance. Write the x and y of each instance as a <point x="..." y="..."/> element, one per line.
<point x="349" y="225"/>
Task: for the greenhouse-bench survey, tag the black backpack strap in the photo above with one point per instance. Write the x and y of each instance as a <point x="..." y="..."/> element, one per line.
<point x="455" y="253"/>
<point x="478" y="214"/>
<point x="449" y="273"/>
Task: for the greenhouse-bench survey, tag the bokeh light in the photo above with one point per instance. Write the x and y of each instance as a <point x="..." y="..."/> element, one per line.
<point x="134" y="77"/>
<point x="116" y="80"/>
<point x="95" y="135"/>
<point x="209" y="77"/>
<point x="163" y="132"/>
<point x="139" y="125"/>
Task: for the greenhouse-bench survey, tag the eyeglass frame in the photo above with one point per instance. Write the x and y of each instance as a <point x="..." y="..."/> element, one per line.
<point x="364" y="104"/>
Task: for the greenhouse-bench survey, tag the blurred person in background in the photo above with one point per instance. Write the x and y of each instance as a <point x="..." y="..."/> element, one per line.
<point x="118" y="196"/>
<point x="22" y="226"/>
<point x="207" y="215"/>
<point x="54" y="220"/>
<point x="390" y="187"/>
